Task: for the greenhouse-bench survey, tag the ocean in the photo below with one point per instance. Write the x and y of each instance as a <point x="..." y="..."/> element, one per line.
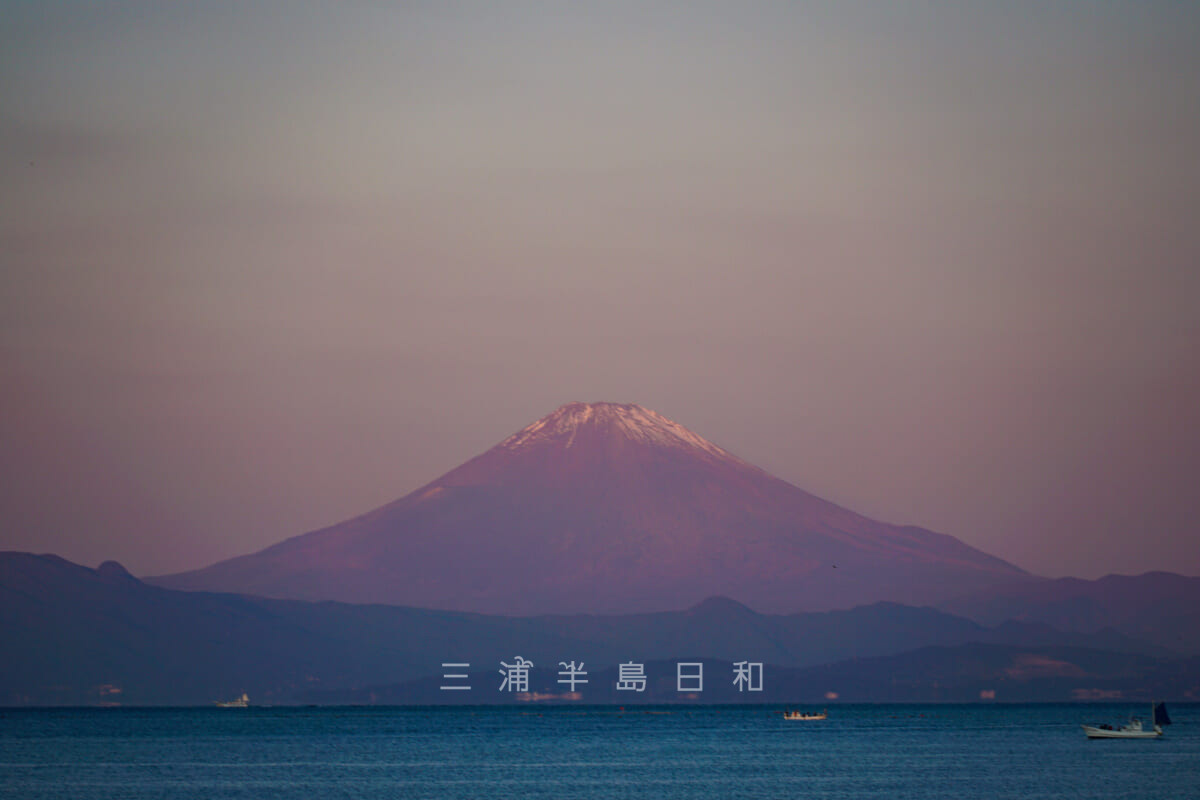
<point x="861" y="751"/>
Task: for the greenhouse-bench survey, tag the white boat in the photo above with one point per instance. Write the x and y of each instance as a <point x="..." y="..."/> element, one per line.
<point x="241" y="702"/>
<point x="1135" y="728"/>
<point x="803" y="715"/>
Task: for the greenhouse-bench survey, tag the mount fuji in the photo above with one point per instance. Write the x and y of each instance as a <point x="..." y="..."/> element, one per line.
<point x="608" y="508"/>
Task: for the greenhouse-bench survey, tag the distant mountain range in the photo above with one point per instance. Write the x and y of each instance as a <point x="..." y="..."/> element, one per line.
<point x="1158" y="607"/>
<point x="608" y="508"/>
<point x="74" y="635"/>
<point x="965" y="673"/>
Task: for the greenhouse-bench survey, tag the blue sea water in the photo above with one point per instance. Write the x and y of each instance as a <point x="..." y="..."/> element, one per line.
<point x="861" y="751"/>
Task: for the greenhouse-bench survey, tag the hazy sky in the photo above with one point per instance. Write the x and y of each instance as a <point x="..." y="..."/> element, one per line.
<point x="265" y="266"/>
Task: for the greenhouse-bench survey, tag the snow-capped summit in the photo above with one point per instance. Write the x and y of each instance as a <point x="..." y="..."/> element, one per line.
<point x="608" y="507"/>
<point x="626" y="419"/>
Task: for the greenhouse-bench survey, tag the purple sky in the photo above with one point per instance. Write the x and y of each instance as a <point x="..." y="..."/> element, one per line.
<point x="264" y="268"/>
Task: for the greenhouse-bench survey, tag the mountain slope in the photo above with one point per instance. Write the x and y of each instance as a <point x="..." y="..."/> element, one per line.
<point x="608" y="508"/>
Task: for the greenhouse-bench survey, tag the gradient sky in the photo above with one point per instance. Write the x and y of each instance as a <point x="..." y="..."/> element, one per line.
<point x="266" y="266"/>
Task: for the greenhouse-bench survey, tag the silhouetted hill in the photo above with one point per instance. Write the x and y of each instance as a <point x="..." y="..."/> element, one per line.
<point x="75" y="635"/>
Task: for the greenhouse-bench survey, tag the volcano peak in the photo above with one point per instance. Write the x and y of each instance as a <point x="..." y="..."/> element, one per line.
<point x="627" y="420"/>
<point x="607" y="508"/>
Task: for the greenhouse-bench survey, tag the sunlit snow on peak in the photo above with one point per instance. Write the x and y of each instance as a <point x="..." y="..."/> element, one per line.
<point x="632" y="421"/>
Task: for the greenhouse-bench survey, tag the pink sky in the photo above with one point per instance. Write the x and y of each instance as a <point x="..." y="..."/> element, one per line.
<point x="265" y="269"/>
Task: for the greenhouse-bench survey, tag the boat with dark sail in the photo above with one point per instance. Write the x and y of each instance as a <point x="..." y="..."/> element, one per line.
<point x="1135" y="728"/>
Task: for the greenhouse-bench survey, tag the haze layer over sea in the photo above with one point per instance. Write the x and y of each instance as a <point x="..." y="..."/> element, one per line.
<point x="861" y="751"/>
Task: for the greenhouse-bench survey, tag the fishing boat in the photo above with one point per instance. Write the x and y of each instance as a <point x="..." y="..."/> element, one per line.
<point x="1135" y="728"/>
<point x="241" y="702"/>
<point x="804" y="715"/>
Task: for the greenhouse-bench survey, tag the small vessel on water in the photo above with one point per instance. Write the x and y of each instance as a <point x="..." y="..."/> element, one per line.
<point x="804" y="715"/>
<point x="1135" y="728"/>
<point x="241" y="702"/>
